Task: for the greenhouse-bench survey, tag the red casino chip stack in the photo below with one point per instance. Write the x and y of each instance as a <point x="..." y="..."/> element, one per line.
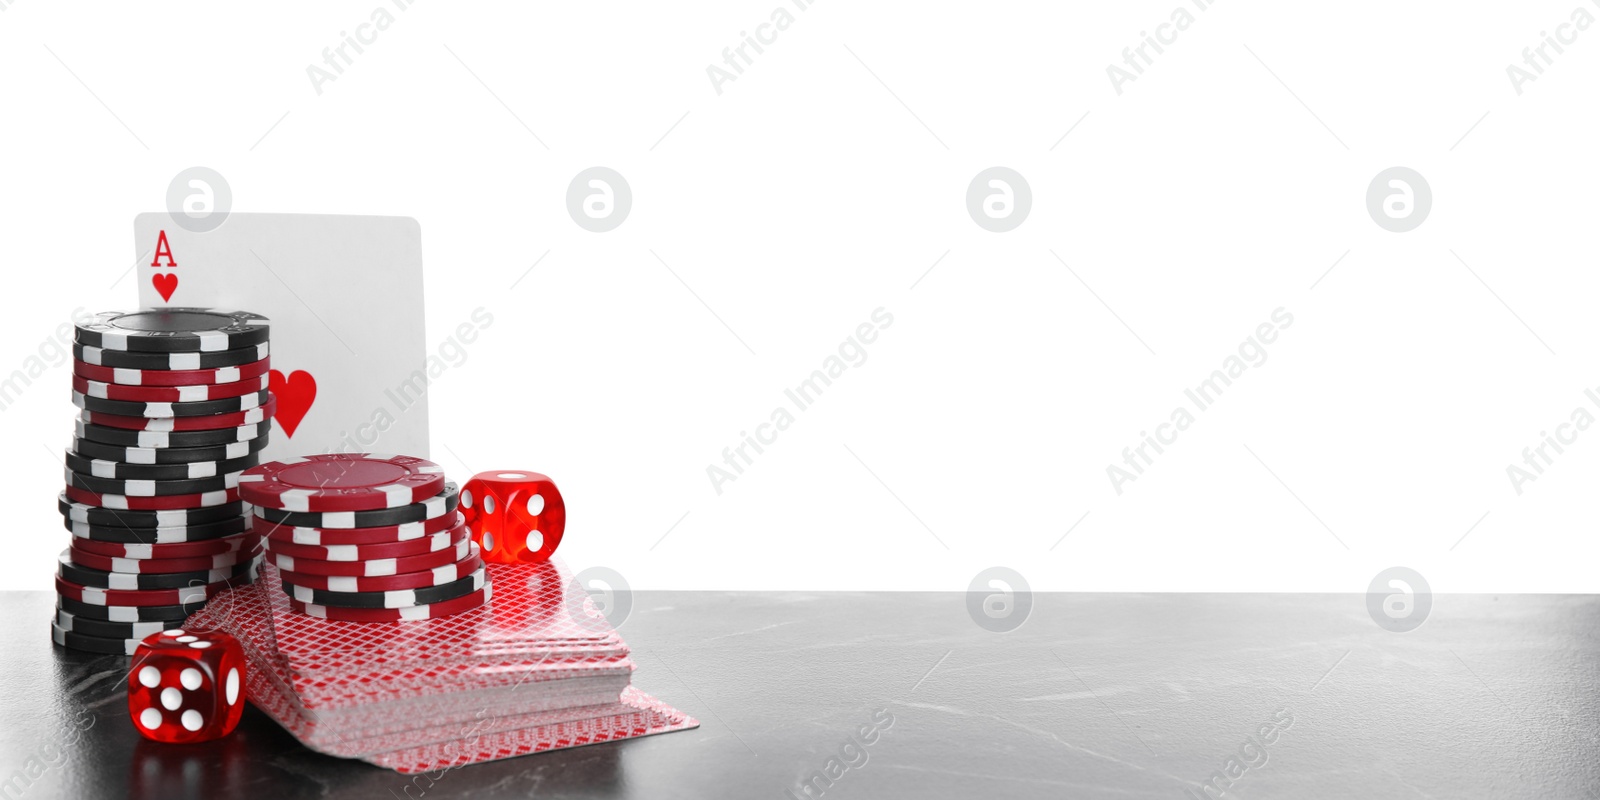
<point x="366" y="538"/>
<point x="174" y="407"/>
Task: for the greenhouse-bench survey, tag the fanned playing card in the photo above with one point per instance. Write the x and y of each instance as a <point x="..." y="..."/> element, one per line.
<point x="534" y="605"/>
<point x="536" y="669"/>
<point x="539" y="627"/>
<point x="646" y="715"/>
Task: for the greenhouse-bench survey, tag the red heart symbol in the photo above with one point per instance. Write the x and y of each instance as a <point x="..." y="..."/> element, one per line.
<point x="294" y="395"/>
<point x="166" y="283"/>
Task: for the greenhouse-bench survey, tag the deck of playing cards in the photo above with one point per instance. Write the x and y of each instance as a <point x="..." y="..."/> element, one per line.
<point x="536" y="668"/>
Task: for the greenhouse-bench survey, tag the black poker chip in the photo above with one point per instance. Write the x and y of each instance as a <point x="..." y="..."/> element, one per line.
<point x="440" y="504"/>
<point x="167" y="455"/>
<point x="83" y="610"/>
<point x="117" y="534"/>
<point x="101" y="579"/>
<point x="193" y="408"/>
<point x="73" y="640"/>
<point x="73" y="623"/>
<point x="133" y="359"/>
<point x="174" y="330"/>
<point x="161" y="439"/>
<point x="171" y="518"/>
<point x="150" y="488"/>
<point x="158" y="472"/>
<point x="400" y="598"/>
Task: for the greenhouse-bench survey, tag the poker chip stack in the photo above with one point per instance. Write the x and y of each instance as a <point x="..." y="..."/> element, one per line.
<point x="366" y="538"/>
<point x="174" y="406"/>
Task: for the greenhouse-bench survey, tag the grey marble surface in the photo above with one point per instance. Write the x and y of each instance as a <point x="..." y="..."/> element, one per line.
<point x="1097" y="695"/>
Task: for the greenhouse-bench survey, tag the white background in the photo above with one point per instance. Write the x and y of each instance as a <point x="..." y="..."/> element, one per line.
<point x="806" y="195"/>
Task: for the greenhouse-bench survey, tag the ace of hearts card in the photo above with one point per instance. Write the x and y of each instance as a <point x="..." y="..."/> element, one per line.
<point x="344" y="294"/>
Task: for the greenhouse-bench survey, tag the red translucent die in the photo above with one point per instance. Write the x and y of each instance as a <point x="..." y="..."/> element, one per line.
<point x="186" y="686"/>
<point x="514" y="516"/>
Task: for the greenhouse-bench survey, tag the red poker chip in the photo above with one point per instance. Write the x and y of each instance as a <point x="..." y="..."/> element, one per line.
<point x="443" y="540"/>
<point x="146" y="597"/>
<point x="438" y="576"/>
<point x="170" y="377"/>
<point x="159" y="566"/>
<point x="342" y="482"/>
<point x="383" y="566"/>
<point x="168" y="394"/>
<point x="205" y="422"/>
<point x="123" y="502"/>
<point x="162" y="551"/>
<point x="443" y="608"/>
<point x="281" y="532"/>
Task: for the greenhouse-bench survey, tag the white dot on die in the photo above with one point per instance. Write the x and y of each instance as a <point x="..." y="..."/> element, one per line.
<point x="173" y="632"/>
<point x="511" y="476"/>
<point x="488" y="541"/>
<point x="535" y="541"/>
<point x="535" y="504"/>
<point x="171" y="698"/>
<point x="199" y="645"/>
<point x="150" y="718"/>
<point x="190" y="678"/>
<point x="232" y="688"/>
<point x="488" y="505"/>
<point x="188" y="638"/>
<point x="191" y="720"/>
<point x="150" y="676"/>
<point x="466" y="499"/>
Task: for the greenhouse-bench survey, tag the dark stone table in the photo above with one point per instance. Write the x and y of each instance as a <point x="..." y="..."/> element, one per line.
<point x="1096" y="695"/>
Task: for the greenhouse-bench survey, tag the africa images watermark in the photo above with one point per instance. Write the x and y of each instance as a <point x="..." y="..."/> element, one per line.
<point x="1536" y="57"/>
<point x="337" y="57"/>
<point x="51" y="754"/>
<point x="451" y="353"/>
<point x="1252" y="352"/>
<point x="1137" y="57"/>
<point x="737" y="57"/>
<point x="52" y="352"/>
<point x="1252" y="754"/>
<point x="1536" y="457"/>
<point x="999" y="600"/>
<point x="852" y="353"/>
<point x="852" y="755"/>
